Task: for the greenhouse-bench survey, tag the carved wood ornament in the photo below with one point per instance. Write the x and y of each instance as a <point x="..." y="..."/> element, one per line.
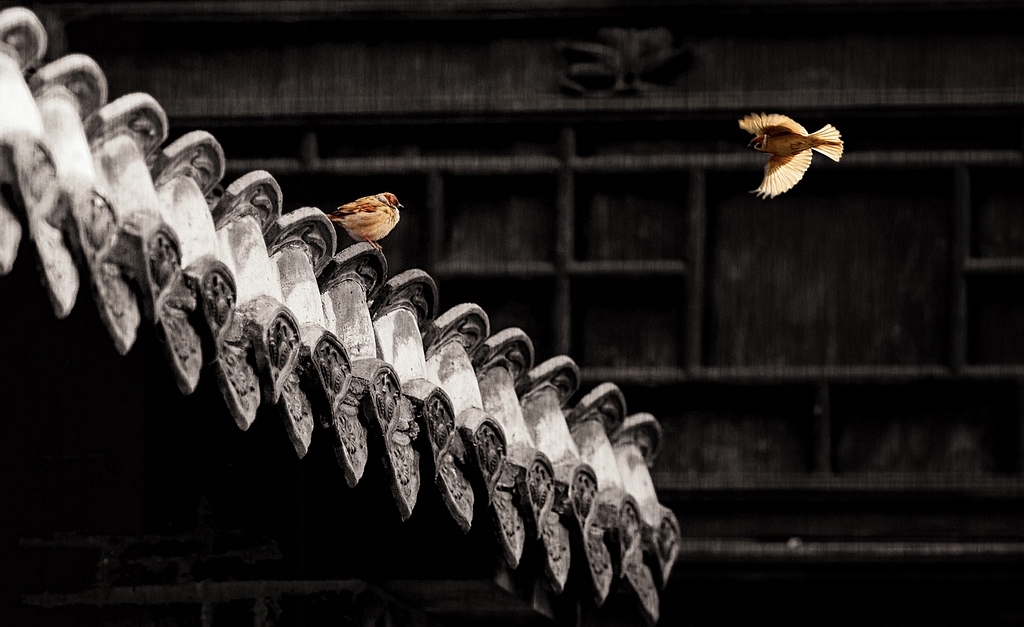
<point x="625" y="62"/>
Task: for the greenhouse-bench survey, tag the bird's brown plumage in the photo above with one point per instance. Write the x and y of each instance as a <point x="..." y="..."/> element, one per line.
<point x="790" y="146"/>
<point x="370" y="218"/>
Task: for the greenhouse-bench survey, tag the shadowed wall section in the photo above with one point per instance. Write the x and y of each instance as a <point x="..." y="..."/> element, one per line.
<point x="837" y="371"/>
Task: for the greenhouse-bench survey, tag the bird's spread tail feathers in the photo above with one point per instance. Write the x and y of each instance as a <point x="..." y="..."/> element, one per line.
<point x="828" y="142"/>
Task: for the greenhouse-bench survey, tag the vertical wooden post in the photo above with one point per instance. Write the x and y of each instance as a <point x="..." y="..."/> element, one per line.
<point x="960" y="251"/>
<point x="309" y="150"/>
<point x="1020" y="427"/>
<point x="565" y="242"/>
<point x="694" y="324"/>
<point x="435" y="218"/>
<point x="823" y="429"/>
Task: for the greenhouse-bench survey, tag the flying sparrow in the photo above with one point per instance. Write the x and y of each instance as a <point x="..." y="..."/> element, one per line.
<point x="370" y="218"/>
<point x="790" y="147"/>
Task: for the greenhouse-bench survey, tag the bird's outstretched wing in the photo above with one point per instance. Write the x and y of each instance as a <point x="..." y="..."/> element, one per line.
<point x="782" y="173"/>
<point x="770" y="124"/>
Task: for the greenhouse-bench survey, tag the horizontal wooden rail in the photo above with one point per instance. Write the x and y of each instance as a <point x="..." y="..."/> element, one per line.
<point x="995" y="266"/>
<point x="662" y="375"/>
<point x="675" y="486"/>
<point x="796" y="551"/>
<point x="622" y="163"/>
<point x="455" y="164"/>
<point x="492" y="269"/>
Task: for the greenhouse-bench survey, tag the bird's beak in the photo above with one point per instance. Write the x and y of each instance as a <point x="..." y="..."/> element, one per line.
<point x="751" y="144"/>
<point x="400" y="207"/>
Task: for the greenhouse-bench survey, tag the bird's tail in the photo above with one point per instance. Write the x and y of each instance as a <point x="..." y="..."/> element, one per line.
<point x="828" y="142"/>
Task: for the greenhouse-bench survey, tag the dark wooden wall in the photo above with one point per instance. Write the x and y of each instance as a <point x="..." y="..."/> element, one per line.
<point x="837" y="371"/>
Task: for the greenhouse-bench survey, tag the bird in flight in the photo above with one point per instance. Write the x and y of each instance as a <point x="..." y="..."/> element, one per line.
<point x="370" y="218"/>
<point x="790" y="147"/>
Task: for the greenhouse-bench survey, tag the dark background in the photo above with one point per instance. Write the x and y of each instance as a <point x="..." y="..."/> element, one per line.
<point x="837" y="370"/>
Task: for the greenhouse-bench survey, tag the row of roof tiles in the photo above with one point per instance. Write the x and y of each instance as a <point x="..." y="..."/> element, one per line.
<point x="266" y="304"/>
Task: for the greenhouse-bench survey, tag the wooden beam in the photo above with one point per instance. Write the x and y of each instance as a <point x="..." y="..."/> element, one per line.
<point x="1000" y="266"/>
<point x="468" y="600"/>
<point x="868" y="159"/>
<point x="628" y="267"/>
<point x="496" y="269"/>
<point x="797" y="551"/>
<point x="404" y="10"/>
<point x="823" y="430"/>
<point x="541" y="164"/>
<point x="667" y="375"/>
<point x="565" y="242"/>
<point x="673" y="486"/>
<point x="696" y="246"/>
<point x="524" y="164"/>
<point x="435" y="218"/>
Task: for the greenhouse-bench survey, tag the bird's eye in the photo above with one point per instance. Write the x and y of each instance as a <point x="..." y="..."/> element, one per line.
<point x="758" y="145"/>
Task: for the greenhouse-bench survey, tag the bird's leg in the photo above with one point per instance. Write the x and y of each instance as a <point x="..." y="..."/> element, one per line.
<point x="373" y="243"/>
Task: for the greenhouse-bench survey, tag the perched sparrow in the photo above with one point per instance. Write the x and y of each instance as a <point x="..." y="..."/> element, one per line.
<point x="370" y="218"/>
<point x="790" y="147"/>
